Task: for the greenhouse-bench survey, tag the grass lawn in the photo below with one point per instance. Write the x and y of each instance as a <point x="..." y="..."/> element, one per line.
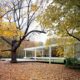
<point x="36" y="71"/>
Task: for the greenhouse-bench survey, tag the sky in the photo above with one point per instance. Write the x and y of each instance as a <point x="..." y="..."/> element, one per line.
<point x="41" y="37"/>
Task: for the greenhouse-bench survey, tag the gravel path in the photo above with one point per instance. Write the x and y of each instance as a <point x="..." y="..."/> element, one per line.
<point x="36" y="71"/>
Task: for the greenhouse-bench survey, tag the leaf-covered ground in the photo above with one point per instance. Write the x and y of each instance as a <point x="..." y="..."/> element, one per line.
<point x="36" y="71"/>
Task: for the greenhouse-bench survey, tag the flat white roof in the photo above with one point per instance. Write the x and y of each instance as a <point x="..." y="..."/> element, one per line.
<point x="39" y="47"/>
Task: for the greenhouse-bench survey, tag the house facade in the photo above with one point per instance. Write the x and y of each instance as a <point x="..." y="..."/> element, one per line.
<point x="55" y="50"/>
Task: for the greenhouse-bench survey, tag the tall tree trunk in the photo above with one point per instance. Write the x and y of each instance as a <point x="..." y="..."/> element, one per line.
<point x="13" y="57"/>
<point x="13" y="52"/>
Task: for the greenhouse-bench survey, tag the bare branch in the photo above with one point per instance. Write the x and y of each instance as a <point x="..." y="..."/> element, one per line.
<point x="72" y="35"/>
<point x="27" y="18"/>
<point x="12" y="9"/>
<point x="38" y="31"/>
<point x="6" y="40"/>
<point x="5" y="50"/>
<point x="32" y="17"/>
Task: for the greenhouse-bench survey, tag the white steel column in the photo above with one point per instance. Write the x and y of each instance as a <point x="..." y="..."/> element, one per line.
<point x="49" y="54"/>
<point x="42" y="52"/>
<point x="25" y="55"/>
<point x="35" y="54"/>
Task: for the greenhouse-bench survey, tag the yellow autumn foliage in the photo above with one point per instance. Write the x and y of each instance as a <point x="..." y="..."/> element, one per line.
<point x="34" y="7"/>
<point x="9" y="30"/>
<point x="60" y="51"/>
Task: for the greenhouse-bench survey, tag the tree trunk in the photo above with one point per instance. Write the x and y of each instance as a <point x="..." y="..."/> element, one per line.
<point x="13" y="57"/>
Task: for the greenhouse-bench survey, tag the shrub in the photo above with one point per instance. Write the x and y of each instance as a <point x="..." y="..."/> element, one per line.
<point x="71" y="62"/>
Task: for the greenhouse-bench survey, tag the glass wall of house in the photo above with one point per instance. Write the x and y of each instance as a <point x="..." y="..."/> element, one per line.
<point x="57" y="51"/>
<point x="77" y="50"/>
<point x="29" y="54"/>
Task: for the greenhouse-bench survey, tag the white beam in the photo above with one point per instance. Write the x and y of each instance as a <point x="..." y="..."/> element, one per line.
<point x="35" y="54"/>
<point x="25" y="55"/>
<point x="42" y="52"/>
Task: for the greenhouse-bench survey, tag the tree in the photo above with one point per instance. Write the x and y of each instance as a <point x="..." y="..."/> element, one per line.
<point x="22" y="13"/>
<point x="63" y="16"/>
